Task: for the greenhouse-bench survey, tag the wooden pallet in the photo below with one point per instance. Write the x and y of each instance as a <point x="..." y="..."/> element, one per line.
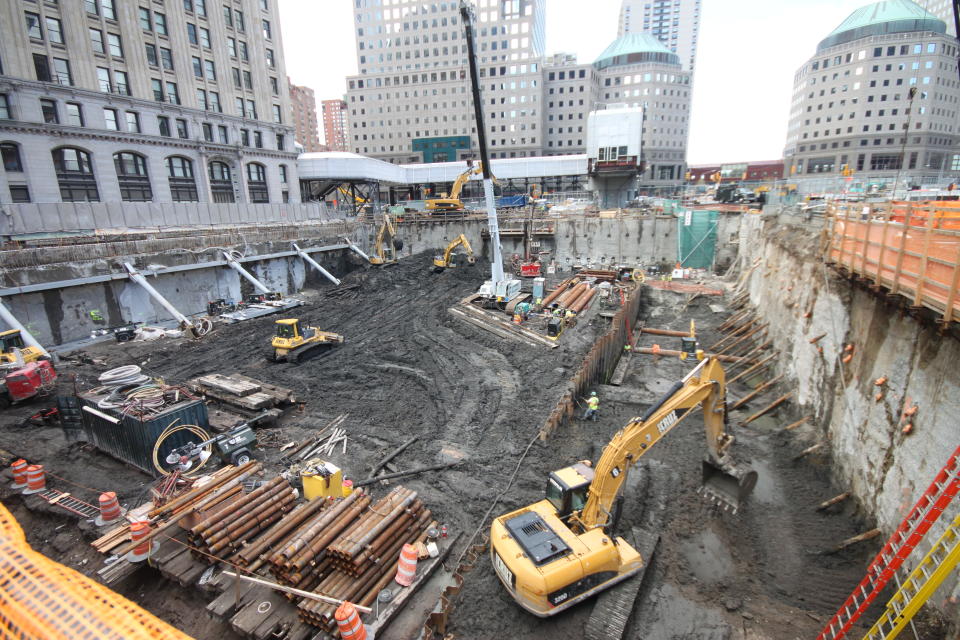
<point x="243" y="392"/>
<point x="229" y="385"/>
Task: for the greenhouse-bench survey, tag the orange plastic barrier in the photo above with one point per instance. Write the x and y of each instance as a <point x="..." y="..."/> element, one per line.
<point x="40" y="598"/>
<point x="917" y="262"/>
<point x="946" y="213"/>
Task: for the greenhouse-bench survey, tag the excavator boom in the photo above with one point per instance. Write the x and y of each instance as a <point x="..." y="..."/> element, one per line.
<point x="562" y="550"/>
<point x="442" y="262"/>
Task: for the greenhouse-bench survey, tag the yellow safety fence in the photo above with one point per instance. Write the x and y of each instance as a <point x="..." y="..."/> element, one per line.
<point x="42" y="599"/>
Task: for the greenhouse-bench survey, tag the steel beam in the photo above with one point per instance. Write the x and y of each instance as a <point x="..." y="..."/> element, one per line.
<point x="356" y="249"/>
<point x="259" y="286"/>
<point x="139" y="279"/>
<point x="316" y="265"/>
<point x="28" y="338"/>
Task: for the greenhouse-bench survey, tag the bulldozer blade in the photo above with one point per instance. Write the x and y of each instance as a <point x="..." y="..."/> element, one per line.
<point x="727" y="486"/>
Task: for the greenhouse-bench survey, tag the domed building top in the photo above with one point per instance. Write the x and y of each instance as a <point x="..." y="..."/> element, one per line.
<point x="880" y="18"/>
<point x="633" y="48"/>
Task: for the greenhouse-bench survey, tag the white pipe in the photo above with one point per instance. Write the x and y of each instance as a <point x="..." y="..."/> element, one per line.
<point x="139" y="279"/>
<point x="316" y="265"/>
<point x="496" y="261"/>
<point x="356" y="249"/>
<point x="101" y="414"/>
<point x="28" y="338"/>
<point x="259" y="286"/>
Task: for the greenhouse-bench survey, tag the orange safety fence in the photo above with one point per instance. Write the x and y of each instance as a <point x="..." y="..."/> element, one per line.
<point x="945" y="213"/>
<point x="917" y="262"/>
<point x="40" y="599"/>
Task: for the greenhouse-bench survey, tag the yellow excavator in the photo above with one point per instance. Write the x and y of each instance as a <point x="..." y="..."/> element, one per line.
<point x="445" y="261"/>
<point x="11" y="342"/>
<point x="293" y="342"/>
<point x="562" y="550"/>
<point x="452" y="201"/>
<point x="385" y="251"/>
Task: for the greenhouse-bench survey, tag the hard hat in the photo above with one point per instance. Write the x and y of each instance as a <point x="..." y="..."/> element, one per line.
<point x="593" y="393"/>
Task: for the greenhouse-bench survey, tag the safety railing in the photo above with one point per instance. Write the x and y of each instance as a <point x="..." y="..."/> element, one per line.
<point x="911" y="249"/>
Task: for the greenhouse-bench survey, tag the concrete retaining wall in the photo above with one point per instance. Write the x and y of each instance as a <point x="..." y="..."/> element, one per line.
<point x="886" y="469"/>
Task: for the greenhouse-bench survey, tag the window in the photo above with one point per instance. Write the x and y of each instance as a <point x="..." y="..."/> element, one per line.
<point x="247" y="80"/>
<point x="11" y="157"/>
<point x="110" y="118"/>
<point x="275" y="86"/>
<point x="107" y="9"/>
<point x="238" y="102"/>
<point x="215" y="102"/>
<point x="283" y="174"/>
<point x="163" y="124"/>
<point x="270" y="60"/>
<point x="49" y="110"/>
<point x="4" y="107"/>
<point x="133" y="122"/>
<point x="221" y="184"/>
<point x="192" y="33"/>
<point x="281" y="141"/>
<point x="277" y="116"/>
<point x="166" y="56"/>
<point x="19" y="193"/>
<point x="54" y="31"/>
<point x="232" y="47"/>
<point x="96" y="41"/>
<point x="113" y="44"/>
<point x="120" y="80"/>
<point x="182" y="131"/>
<point x="145" y="22"/>
<point x="208" y="132"/>
<point x="42" y="67"/>
<point x="103" y="79"/>
<point x="183" y="186"/>
<point x="160" y="23"/>
<point x="257" y="182"/>
<point x="151" y="55"/>
<point x="264" y="6"/>
<point x="210" y="69"/>
<point x="132" y="177"/>
<point x="74" y="114"/>
<point x="228" y="16"/>
<point x="245" y="137"/>
<point x="75" y="175"/>
<point x="205" y="37"/>
<point x="201" y="7"/>
<point x="244" y="54"/>
<point x="222" y="137"/>
<point x="251" y="109"/>
<point x="61" y="69"/>
<point x="235" y="72"/>
<point x="91" y="7"/>
<point x="188" y="5"/>
<point x="173" y="95"/>
<point x="238" y="19"/>
<point x="266" y="30"/>
<point x="258" y="140"/>
<point x="197" y="67"/>
<point x="33" y="26"/>
<point x="157" y="88"/>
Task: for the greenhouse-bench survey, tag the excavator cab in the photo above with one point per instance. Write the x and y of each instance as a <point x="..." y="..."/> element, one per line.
<point x="10" y="342"/>
<point x="567" y="489"/>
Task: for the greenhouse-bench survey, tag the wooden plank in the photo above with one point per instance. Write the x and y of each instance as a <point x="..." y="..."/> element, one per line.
<point x="229" y="385"/>
<point x="895" y="285"/>
<point x="252" y="402"/>
<point x="224" y="604"/>
<point x="621" y="371"/>
<point x="256" y="613"/>
<point x="922" y="276"/>
<point x="282" y="394"/>
<point x="952" y="296"/>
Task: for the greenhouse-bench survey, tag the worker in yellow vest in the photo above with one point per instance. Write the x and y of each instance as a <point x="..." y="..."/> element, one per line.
<point x="593" y="404"/>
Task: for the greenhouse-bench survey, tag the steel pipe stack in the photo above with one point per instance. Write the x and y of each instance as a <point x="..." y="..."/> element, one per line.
<point x="224" y="532"/>
<point x="565" y="300"/>
<point x="581" y="303"/>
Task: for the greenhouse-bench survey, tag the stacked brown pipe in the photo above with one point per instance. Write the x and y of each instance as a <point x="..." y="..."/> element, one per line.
<point x="222" y="533"/>
<point x="580" y="303"/>
<point x="574" y="293"/>
<point x="562" y="288"/>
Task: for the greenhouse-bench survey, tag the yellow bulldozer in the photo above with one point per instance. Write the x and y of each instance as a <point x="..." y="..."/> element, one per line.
<point x="446" y="261"/>
<point x="293" y="342"/>
<point x="12" y="344"/>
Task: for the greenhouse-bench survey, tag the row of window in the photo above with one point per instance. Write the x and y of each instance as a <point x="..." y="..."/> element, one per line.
<point x="77" y="182"/>
<point x="934" y="161"/>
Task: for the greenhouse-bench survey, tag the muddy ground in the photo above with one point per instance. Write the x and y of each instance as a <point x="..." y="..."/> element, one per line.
<point x="409" y="368"/>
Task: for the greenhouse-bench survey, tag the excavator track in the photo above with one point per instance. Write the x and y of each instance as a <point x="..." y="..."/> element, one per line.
<point x="612" y="609"/>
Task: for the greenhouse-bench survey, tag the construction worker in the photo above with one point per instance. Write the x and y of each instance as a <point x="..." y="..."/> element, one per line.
<point x="523" y="310"/>
<point x="627" y="348"/>
<point x="557" y="311"/>
<point x="593" y="404"/>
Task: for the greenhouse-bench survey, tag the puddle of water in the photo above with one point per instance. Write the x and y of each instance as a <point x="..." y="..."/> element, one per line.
<point x="708" y="557"/>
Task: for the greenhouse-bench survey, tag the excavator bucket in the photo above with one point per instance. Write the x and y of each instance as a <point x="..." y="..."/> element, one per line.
<point x="727" y="486"/>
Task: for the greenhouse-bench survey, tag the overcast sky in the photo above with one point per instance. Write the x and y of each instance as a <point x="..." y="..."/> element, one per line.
<point x="748" y="53"/>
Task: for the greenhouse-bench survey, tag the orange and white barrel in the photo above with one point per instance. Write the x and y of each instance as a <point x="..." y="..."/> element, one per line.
<point x="19" y="468"/>
<point x="36" y="479"/>
<point x="407" y="567"/>
<point x="348" y="622"/>
<point x="109" y="509"/>
<point x="138" y="531"/>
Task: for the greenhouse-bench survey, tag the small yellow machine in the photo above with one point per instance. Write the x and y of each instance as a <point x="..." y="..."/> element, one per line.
<point x="452" y="201"/>
<point x="10" y="342"/>
<point x="292" y="341"/>
<point x="444" y="261"/>
<point x="384" y="250"/>
<point x="562" y="550"/>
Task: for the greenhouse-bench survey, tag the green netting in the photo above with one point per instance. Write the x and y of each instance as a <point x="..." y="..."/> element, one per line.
<point x="697" y="238"/>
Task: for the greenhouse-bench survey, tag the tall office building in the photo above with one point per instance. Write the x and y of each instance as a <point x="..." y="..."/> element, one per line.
<point x="879" y="97"/>
<point x="160" y="101"/>
<point x="411" y="100"/>
<point x="943" y="9"/>
<point x="304" y="106"/>
<point x="676" y="23"/>
<point x="335" y="125"/>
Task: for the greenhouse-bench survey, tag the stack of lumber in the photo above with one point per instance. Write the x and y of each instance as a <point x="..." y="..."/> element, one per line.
<point x="242" y="392"/>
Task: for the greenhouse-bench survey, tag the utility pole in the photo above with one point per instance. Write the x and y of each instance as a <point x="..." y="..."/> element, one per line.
<point x="498" y="287"/>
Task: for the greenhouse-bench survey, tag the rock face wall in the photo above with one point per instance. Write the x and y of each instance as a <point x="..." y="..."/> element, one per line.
<point x="802" y="298"/>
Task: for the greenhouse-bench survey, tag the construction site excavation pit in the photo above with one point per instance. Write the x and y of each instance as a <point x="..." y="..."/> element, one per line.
<point x="474" y="403"/>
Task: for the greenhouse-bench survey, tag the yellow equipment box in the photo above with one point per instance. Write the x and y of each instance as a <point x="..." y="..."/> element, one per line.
<point x="322" y="480"/>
